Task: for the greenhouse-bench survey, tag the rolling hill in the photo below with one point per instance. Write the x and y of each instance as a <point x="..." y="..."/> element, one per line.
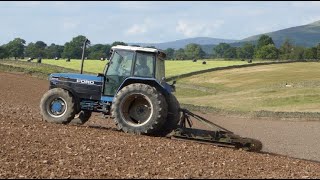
<point x="183" y="42"/>
<point x="305" y="35"/>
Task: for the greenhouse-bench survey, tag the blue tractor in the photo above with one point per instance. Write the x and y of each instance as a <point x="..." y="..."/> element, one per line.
<point x="132" y="90"/>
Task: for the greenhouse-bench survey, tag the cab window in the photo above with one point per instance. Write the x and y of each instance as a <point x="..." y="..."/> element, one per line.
<point x="144" y="66"/>
<point x="121" y="63"/>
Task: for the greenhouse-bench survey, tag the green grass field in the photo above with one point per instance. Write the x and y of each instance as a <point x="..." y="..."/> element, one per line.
<point x="291" y="87"/>
<point x="172" y="67"/>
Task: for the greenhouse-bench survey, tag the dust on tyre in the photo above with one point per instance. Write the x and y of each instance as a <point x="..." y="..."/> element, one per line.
<point x="57" y="106"/>
<point x="140" y="109"/>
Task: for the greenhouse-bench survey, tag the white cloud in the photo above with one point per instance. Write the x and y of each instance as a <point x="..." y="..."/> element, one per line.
<point x="191" y="28"/>
<point x="310" y="19"/>
<point x="141" y="28"/>
<point x="137" y="29"/>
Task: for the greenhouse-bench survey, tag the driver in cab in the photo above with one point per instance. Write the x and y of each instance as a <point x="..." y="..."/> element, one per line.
<point x="142" y="69"/>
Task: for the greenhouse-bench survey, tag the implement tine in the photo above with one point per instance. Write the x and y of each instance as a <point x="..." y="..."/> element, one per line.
<point x="221" y="137"/>
<point x="189" y="121"/>
<point x="187" y="113"/>
<point x="185" y="120"/>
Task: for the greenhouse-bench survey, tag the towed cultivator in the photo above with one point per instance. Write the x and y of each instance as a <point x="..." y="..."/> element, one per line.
<point x="218" y="136"/>
<point x="132" y="89"/>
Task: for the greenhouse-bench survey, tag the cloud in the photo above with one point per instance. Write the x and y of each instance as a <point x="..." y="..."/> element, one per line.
<point x="136" y="29"/>
<point x="191" y="28"/>
<point x="141" y="28"/>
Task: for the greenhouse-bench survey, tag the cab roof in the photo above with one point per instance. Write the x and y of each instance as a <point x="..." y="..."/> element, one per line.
<point x="143" y="49"/>
<point x="134" y="48"/>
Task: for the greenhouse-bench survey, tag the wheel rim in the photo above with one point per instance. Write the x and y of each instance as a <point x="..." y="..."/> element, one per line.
<point x="136" y="109"/>
<point x="57" y="108"/>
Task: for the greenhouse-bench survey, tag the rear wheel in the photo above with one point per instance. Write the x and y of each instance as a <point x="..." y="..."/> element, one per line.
<point x="173" y="116"/>
<point x="57" y="106"/>
<point x="140" y="109"/>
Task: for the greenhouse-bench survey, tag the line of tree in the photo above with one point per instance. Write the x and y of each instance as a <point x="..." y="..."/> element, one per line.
<point x="17" y="48"/>
<point x="264" y="48"/>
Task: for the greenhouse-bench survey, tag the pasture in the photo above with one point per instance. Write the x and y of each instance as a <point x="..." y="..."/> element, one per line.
<point x="293" y="87"/>
<point x="172" y="67"/>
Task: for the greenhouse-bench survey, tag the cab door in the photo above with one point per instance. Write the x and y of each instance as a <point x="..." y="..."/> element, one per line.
<point x="119" y="69"/>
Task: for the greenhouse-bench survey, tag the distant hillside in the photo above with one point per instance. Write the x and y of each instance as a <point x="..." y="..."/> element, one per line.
<point x="306" y="35"/>
<point x="183" y="42"/>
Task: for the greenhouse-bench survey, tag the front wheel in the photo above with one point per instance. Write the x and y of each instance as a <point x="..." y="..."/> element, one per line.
<point x="57" y="106"/>
<point x="140" y="109"/>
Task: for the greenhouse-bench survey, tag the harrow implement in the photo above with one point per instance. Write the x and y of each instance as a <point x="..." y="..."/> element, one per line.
<point x="217" y="136"/>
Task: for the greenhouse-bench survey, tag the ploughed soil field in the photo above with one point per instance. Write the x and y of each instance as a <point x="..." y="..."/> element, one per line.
<point x="32" y="148"/>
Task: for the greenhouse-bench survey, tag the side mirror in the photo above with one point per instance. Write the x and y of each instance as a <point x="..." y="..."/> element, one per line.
<point x="100" y="75"/>
<point x="173" y="86"/>
<point x="174" y="82"/>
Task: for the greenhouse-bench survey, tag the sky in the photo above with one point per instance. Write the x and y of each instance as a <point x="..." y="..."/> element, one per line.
<point x="147" y="21"/>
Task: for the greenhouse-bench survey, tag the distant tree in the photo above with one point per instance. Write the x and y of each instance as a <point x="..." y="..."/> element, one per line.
<point x="264" y="40"/>
<point x="224" y="50"/>
<point x="15" y="48"/>
<point x="36" y="49"/>
<point x="3" y="52"/>
<point x="67" y="50"/>
<point x="41" y="45"/>
<point x="73" y="49"/>
<point x="246" y="51"/>
<point x="286" y="49"/>
<point x="53" y="51"/>
<point x="318" y="51"/>
<point x="119" y="43"/>
<point x="297" y="53"/>
<point x="170" y="53"/>
<point x="310" y="53"/>
<point x="220" y="50"/>
<point x="267" y="52"/>
<point x="31" y="50"/>
<point x="194" y="51"/>
<point x="98" y="51"/>
<point x="179" y="54"/>
<point x="230" y="53"/>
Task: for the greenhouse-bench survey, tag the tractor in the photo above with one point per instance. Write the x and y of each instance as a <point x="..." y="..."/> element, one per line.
<point x="133" y="91"/>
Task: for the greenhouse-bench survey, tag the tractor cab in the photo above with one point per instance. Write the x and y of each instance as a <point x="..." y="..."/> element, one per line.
<point x="138" y="63"/>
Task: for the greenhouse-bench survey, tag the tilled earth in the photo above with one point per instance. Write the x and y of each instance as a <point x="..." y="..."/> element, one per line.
<point x="32" y="148"/>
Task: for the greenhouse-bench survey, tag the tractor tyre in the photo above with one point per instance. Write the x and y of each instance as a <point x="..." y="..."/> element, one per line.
<point x="82" y="117"/>
<point x="173" y="116"/>
<point x="57" y="106"/>
<point x="139" y="109"/>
